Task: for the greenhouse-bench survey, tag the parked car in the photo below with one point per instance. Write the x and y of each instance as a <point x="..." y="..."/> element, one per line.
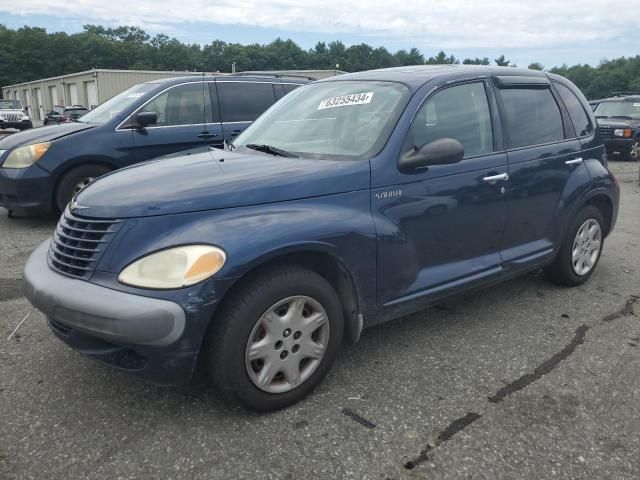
<point x="42" y="169"/>
<point x="352" y="201"/>
<point x="61" y="114"/>
<point x="619" y="120"/>
<point x="594" y="104"/>
<point x="13" y="115"/>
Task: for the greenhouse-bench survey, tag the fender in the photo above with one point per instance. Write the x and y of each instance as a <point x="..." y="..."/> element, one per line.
<point x="338" y="225"/>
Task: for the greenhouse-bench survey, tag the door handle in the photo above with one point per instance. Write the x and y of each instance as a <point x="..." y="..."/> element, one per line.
<point x="207" y="135"/>
<point x="574" y="161"/>
<point x="497" y="178"/>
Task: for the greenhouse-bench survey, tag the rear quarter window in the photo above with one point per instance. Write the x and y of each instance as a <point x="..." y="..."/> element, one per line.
<point x="579" y="117"/>
<point x="532" y="116"/>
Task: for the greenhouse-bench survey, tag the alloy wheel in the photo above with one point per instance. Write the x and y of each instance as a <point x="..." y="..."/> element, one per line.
<point x="287" y="344"/>
<point x="78" y="187"/>
<point x="586" y="247"/>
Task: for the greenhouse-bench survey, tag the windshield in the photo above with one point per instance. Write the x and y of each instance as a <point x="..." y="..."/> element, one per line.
<point x="347" y="120"/>
<point x="112" y="107"/>
<point x="619" y="109"/>
<point x="10" y="105"/>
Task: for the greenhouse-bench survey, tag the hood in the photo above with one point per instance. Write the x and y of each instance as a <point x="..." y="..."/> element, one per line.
<point x="12" y="111"/>
<point x="617" y="122"/>
<point x="215" y="179"/>
<point x="42" y="134"/>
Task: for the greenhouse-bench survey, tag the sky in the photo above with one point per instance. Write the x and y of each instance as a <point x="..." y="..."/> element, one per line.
<point x="551" y="32"/>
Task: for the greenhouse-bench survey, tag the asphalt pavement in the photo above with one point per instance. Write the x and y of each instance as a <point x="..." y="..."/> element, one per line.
<point x="521" y="380"/>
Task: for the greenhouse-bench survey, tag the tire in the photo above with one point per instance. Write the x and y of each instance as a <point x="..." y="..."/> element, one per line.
<point x="75" y="180"/>
<point x="634" y="152"/>
<point x="239" y="325"/>
<point x="572" y="271"/>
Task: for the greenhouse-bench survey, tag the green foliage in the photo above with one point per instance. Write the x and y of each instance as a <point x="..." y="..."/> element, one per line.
<point x="535" y="66"/>
<point x="30" y="53"/>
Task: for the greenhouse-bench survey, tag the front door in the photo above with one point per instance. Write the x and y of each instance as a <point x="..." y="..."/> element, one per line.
<point x="441" y="227"/>
<point x="186" y="120"/>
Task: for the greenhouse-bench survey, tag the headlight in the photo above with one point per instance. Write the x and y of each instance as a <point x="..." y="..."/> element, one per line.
<point x="622" y="132"/>
<point x="26" y="156"/>
<point x="174" y="268"/>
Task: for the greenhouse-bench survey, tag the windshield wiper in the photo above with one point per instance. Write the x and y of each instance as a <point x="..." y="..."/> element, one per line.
<point x="601" y="116"/>
<point x="270" y="149"/>
<point x="626" y="117"/>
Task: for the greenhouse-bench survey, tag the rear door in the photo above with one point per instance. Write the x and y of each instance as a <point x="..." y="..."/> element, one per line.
<point x="241" y="102"/>
<point x="542" y="152"/>
<point x="186" y="119"/>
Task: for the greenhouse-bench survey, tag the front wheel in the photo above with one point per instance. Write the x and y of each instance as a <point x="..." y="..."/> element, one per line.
<point x="275" y="338"/>
<point x="634" y="153"/>
<point x="74" y="181"/>
<point x="580" y="250"/>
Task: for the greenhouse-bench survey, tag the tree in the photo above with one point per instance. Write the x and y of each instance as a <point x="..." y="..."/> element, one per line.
<point x="501" y="61"/>
<point x="536" y="66"/>
<point x="476" y="61"/>
<point x="442" y="59"/>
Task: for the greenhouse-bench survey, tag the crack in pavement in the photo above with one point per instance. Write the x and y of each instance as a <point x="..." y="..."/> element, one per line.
<point x="541" y="370"/>
<point x="624" y="311"/>
<point x="454" y="427"/>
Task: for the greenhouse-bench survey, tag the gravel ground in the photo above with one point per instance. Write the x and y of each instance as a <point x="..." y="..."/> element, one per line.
<point x="522" y="380"/>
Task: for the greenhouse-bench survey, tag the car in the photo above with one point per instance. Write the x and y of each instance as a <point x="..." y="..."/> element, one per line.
<point x="594" y="104"/>
<point x="352" y="201"/>
<point x="61" y="114"/>
<point x="619" y="121"/>
<point x="13" y="115"/>
<point x="42" y="169"/>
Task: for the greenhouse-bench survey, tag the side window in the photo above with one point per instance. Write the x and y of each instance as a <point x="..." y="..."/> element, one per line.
<point x="532" y="116"/>
<point x="460" y="112"/>
<point x="244" y="101"/>
<point x="187" y="104"/>
<point x="579" y="117"/>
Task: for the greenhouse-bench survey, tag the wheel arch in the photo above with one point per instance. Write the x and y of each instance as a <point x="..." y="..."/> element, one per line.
<point x="77" y="163"/>
<point x="323" y="260"/>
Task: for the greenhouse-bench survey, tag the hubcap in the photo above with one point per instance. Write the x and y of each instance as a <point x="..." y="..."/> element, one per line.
<point x="287" y="344"/>
<point x="586" y="247"/>
<point x="81" y="184"/>
<point x="635" y="150"/>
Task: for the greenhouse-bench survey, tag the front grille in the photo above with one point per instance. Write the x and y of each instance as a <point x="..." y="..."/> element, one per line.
<point x="607" y="132"/>
<point x="11" y="117"/>
<point x="78" y="243"/>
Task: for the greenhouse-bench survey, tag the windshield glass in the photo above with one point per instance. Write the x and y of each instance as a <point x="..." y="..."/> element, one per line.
<point x="10" y="105"/>
<point x="619" y="109"/>
<point x="347" y="120"/>
<point x="112" y="107"/>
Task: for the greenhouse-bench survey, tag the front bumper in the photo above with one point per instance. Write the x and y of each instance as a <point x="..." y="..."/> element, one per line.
<point x="26" y="190"/>
<point x="123" y="330"/>
<point x="22" y="125"/>
<point x="620" y="146"/>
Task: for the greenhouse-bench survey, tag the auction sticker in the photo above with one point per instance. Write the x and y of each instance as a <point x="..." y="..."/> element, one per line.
<point x="345" y="100"/>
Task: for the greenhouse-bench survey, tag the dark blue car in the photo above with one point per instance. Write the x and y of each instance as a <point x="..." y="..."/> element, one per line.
<point x="352" y="201"/>
<point x="40" y="170"/>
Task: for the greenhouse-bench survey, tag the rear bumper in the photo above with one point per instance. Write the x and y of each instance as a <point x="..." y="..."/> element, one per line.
<point x="138" y="334"/>
<point x="26" y="190"/>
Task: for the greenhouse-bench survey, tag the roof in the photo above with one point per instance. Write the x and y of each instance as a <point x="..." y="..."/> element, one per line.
<point x="417" y="75"/>
<point x="228" y="78"/>
<point x="622" y="98"/>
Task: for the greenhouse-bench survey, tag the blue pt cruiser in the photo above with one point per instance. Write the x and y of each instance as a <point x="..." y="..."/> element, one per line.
<point x="352" y="201"/>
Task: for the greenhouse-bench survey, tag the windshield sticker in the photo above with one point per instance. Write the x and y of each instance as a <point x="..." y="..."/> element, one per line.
<point x="345" y="100"/>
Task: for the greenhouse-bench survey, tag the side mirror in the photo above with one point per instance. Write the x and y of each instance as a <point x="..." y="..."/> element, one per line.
<point x="442" y="151"/>
<point x="144" y="119"/>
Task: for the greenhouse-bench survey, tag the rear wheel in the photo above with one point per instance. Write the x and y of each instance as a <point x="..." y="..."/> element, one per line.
<point x="74" y="181"/>
<point x="275" y="339"/>
<point x="580" y="250"/>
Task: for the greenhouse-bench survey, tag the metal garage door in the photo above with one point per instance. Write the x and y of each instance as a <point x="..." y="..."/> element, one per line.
<point x="53" y="93"/>
<point x="73" y="94"/>
<point x="39" y="104"/>
<point x="92" y="94"/>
